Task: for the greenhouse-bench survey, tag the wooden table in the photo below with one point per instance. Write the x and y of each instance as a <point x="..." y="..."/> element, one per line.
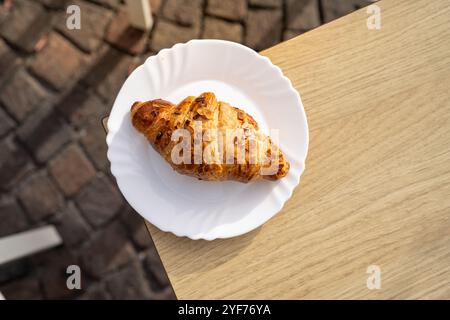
<point x="376" y="190"/>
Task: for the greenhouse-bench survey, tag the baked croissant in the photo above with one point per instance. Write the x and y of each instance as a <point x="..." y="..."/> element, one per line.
<point x="207" y="124"/>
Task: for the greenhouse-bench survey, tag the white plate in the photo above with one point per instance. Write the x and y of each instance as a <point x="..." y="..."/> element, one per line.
<point x="184" y="205"/>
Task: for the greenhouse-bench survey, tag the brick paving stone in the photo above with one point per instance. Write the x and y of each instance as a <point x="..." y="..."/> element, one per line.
<point x="53" y="272"/>
<point x="108" y="250"/>
<point x="14" y="270"/>
<point x="40" y="196"/>
<point x="333" y="9"/>
<point x="94" y="20"/>
<point x="129" y="283"/>
<point x="135" y="226"/>
<point x="156" y="6"/>
<point x="92" y="138"/>
<point x="221" y="29"/>
<point x="54" y="4"/>
<point x="4" y="11"/>
<point x="289" y="34"/>
<point x="6" y="123"/>
<point x="71" y="225"/>
<point x="32" y="95"/>
<point x="25" y="24"/>
<point x="111" y="84"/>
<point x="59" y="63"/>
<point x="141" y="236"/>
<point x="155" y="270"/>
<point x="24" y="289"/>
<point x="263" y="28"/>
<point x="14" y="163"/>
<point x="82" y="106"/>
<point x="44" y="133"/>
<point x="166" y="34"/>
<point x="228" y="9"/>
<point x="99" y="201"/>
<point x="185" y="12"/>
<point x="55" y="287"/>
<point x="71" y="169"/>
<point x="165" y="294"/>
<point x="108" y="75"/>
<point x="266" y="3"/>
<point x="302" y="15"/>
<point x="108" y="3"/>
<point x="97" y="291"/>
<point x="125" y="37"/>
<point x="12" y="217"/>
<point x="8" y="61"/>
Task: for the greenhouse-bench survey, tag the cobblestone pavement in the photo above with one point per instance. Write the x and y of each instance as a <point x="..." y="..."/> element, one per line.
<point x="55" y="85"/>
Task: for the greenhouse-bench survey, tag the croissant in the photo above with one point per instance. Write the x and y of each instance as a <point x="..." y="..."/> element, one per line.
<point x="205" y="124"/>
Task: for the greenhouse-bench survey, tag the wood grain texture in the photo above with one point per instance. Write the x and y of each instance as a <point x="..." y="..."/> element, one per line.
<point x="376" y="189"/>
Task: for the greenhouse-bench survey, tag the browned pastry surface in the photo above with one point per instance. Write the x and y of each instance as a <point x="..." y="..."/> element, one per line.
<point x="158" y="119"/>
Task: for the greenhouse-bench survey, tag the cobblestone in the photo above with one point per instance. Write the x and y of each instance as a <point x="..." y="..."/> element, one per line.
<point x="54" y="4"/>
<point x="108" y="75"/>
<point x="263" y="28"/>
<point x="108" y="3"/>
<point x="93" y="141"/>
<point x="333" y="9"/>
<point x="289" y="34"/>
<point x="82" y="106"/>
<point x="14" y="270"/>
<point x="40" y="196"/>
<point x="303" y="15"/>
<point x="220" y="29"/>
<point x="129" y="283"/>
<point x="23" y="289"/>
<point x="59" y="63"/>
<point x="94" y="20"/>
<point x="8" y="61"/>
<point x="185" y="12"/>
<point x="44" y="133"/>
<point x="97" y="291"/>
<point x="166" y="34"/>
<point x="14" y="163"/>
<point x="12" y="217"/>
<point x="71" y="170"/>
<point x="71" y="225"/>
<point x="228" y="9"/>
<point x="109" y="250"/>
<point x="99" y="201"/>
<point x="32" y="95"/>
<point x="156" y="6"/>
<point x="25" y="24"/>
<point x="6" y="123"/>
<point x="266" y="3"/>
<point x="53" y="267"/>
<point x="136" y="227"/>
<point x="122" y="35"/>
<point x="155" y="270"/>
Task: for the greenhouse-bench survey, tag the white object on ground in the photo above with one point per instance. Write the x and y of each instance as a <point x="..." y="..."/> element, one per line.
<point x="140" y="14"/>
<point x="28" y="242"/>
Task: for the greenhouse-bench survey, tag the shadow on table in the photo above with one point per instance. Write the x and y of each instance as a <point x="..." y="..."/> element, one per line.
<point x="199" y="255"/>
